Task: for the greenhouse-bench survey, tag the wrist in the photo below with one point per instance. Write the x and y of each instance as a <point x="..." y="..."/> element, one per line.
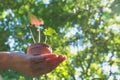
<point x="15" y="59"/>
<point x="9" y="60"/>
<point x="5" y="61"/>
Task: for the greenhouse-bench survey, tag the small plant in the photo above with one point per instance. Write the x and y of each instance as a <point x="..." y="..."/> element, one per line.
<point x="38" y="46"/>
<point x="37" y="23"/>
<point x="34" y="21"/>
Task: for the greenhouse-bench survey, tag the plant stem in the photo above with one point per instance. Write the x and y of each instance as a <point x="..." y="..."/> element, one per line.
<point x="39" y="34"/>
<point x="45" y="38"/>
<point x="32" y="36"/>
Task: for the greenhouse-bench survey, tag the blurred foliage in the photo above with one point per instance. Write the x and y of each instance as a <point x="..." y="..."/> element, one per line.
<point x="86" y="31"/>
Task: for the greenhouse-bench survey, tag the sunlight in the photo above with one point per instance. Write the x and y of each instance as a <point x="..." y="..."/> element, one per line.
<point x="46" y="1"/>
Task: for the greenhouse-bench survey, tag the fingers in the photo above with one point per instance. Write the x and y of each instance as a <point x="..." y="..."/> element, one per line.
<point x="46" y="63"/>
<point x="50" y="64"/>
<point x="50" y="59"/>
<point x="40" y="58"/>
<point x="45" y="69"/>
<point x="56" y="60"/>
<point x="62" y="58"/>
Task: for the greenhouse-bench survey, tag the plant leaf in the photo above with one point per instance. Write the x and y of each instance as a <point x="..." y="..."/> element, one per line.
<point x="34" y="20"/>
<point x="49" y="31"/>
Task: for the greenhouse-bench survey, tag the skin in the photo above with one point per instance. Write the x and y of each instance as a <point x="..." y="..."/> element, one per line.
<point x="29" y="64"/>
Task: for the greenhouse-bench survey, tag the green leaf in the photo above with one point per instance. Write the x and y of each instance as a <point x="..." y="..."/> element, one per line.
<point x="49" y="31"/>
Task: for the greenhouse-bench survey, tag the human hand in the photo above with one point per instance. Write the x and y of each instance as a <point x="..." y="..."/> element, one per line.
<point x="35" y="65"/>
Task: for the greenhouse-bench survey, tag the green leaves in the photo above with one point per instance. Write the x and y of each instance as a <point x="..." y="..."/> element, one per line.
<point x="49" y="31"/>
<point x="115" y="7"/>
<point x="96" y="43"/>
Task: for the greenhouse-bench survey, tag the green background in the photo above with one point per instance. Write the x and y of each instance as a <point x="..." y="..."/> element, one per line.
<point x="86" y="31"/>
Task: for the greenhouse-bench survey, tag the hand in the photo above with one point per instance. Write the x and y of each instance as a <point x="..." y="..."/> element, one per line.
<point x="35" y="65"/>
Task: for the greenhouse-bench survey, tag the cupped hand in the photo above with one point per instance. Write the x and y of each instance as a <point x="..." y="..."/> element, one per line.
<point x="35" y="65"/>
